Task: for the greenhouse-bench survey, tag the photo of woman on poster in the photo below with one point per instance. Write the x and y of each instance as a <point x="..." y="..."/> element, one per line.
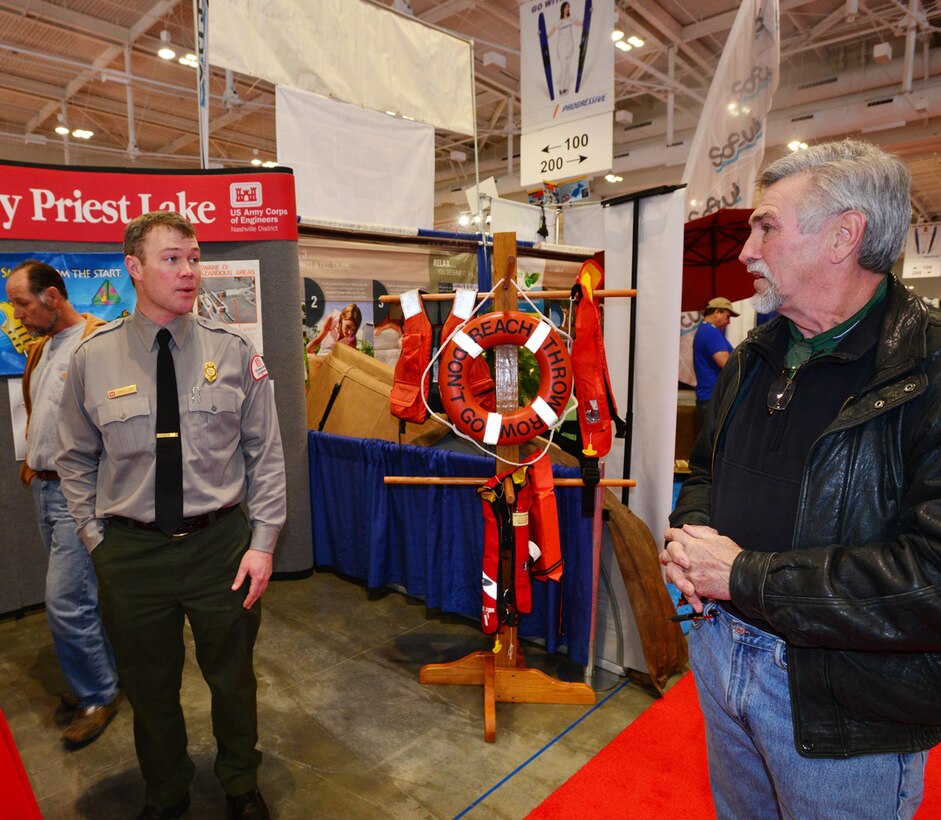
<point x="339" y="327"/>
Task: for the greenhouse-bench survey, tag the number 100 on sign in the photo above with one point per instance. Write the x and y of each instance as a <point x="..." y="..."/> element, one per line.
<point x="571" y="150"/>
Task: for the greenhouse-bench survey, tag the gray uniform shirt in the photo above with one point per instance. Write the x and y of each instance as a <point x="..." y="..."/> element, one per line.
<point x="228" y="426"/>
<point x="45" y="387"/>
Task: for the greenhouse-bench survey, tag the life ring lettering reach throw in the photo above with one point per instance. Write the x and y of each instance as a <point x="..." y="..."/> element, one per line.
<point x="505" y="328"/>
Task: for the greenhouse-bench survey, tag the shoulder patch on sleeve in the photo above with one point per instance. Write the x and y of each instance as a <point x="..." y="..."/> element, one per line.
<point x="259" y="371"/>
<point x="102" y="330"/>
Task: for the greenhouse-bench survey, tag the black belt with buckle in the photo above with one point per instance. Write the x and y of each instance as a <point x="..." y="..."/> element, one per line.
<point x="189" y="525"/>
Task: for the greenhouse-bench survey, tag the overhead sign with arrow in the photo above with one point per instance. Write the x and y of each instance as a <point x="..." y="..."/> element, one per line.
<point x="570" y="149"/>
<point x="566" y="88"/>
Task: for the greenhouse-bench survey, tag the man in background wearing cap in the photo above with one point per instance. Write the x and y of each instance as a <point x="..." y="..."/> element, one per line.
<point x="710" y="347"/>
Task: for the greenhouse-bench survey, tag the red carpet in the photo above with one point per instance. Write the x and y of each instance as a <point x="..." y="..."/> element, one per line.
<point x="656" y="768"/>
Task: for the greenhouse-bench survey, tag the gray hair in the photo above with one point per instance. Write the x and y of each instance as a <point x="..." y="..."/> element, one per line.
<point x="852" y="176"/>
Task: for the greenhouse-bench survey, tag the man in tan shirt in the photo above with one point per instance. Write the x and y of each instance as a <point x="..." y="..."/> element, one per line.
<point x="214" y="565"/>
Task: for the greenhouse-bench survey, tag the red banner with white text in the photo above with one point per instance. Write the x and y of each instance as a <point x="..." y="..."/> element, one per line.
<point x="93" y="205"/>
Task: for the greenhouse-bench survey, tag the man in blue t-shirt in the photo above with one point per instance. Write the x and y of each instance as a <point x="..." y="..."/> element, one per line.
<point x="710" y="347"/>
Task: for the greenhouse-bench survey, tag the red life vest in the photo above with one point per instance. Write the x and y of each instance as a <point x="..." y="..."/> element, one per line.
<point x="596" y="406"/>
<point x="531" y="520"/>
<point x="506" y="529"/>
<point x="480" y="382"/>
<point x="544" y="520"/>
<point x="405" y="399"/>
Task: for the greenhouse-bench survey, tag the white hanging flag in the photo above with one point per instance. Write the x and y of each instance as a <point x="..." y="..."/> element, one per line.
<point x="728" y="148"/>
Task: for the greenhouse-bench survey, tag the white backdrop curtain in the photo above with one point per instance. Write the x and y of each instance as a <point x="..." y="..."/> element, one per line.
<point x="656" y="348"/>
<point x="355" y="165"/>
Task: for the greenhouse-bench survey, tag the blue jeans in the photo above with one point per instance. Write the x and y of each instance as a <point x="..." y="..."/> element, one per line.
<point x="72" y="602"/>
<point x="755" y="770"/>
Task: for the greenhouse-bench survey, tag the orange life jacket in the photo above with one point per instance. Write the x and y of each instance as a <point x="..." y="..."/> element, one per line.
<point x="596" y="406"/>
<point x="528" y="527"/>
<point x="544" y="520"/>
<point x="405" y="399"/>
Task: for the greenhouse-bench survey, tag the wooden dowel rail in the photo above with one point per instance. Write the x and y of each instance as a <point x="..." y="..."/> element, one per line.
<point x="387" y="299"/>
<point x="470" y="481"/>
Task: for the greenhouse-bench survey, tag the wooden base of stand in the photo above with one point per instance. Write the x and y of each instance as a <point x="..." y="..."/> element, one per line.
<point x="505" y="679"/>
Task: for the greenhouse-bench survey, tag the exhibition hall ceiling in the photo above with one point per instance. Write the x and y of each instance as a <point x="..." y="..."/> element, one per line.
<point x="869" y="68"/>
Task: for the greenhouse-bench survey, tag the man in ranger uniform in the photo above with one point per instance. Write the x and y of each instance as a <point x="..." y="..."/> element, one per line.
<point x="168" y="424"/>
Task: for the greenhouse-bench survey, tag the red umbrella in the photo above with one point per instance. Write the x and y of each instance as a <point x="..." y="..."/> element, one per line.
<point x="711" y="246"/>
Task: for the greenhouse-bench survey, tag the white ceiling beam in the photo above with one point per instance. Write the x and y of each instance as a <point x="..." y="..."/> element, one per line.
<point x="448" y="9"/>
<point x="156" y="12"/>
<point x="723" y="22"/>
<point x="62" y="17"/>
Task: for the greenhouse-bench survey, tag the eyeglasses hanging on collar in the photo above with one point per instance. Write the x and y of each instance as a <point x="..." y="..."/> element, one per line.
<point x="782" y="388"/>
<point x="781" y="392"/>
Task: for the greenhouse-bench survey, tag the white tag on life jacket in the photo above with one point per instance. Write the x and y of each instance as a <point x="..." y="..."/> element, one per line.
<point x="464" y="301"/>
<point x="410" y="302"/>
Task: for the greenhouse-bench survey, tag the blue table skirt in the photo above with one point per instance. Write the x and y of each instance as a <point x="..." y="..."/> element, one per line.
<point x="428" y="539"/>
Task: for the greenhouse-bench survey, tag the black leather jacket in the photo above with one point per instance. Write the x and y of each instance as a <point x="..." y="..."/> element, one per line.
<point x="858" y="596"/>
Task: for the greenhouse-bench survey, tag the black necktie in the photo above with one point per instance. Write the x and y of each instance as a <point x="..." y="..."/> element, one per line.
<point x="168" y="492"/>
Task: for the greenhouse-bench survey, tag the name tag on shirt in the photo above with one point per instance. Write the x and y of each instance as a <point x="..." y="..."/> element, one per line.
<point x="122" y="391"/>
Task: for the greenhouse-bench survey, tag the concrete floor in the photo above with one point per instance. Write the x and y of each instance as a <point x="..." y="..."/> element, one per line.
<point x="346" y="729"/>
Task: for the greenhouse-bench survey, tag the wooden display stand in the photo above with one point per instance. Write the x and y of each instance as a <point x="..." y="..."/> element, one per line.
<point x="502" y="671"/>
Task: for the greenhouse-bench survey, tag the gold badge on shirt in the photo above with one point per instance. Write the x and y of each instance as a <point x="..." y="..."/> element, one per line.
<point x="210" y="370"/>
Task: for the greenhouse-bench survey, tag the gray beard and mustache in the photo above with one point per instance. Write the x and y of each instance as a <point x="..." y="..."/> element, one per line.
<point x="770" y="300"/>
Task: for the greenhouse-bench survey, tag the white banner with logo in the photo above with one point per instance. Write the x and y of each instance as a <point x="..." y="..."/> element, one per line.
<point x="355" y="165"/>
<point x="729" y="144"/>
<point x="350" y="50"/>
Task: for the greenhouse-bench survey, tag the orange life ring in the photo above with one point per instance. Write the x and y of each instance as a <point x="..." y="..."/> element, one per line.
<point x="505" y="328"/>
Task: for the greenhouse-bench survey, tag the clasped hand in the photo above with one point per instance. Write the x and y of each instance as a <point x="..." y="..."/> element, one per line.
<point x="699" y="562"/>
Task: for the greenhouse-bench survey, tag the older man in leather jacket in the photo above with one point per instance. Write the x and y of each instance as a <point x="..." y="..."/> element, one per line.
<point x="808" y="536"/>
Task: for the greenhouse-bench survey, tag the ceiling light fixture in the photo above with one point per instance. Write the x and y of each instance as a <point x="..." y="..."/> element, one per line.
<point x="83" y="134"/>
<point x="623" y="45"/>
<point x="190" y="60"/>
<point x="613" y="178"/>
<point x="166" y="47"/>
<point x="797" y="145"/>
<point x="617" y="34"/>
<point x="61" y="129"/>
<point x="635" y="41"/>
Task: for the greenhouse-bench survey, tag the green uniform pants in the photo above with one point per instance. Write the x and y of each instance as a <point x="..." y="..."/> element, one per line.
<point x="147" y="584"/>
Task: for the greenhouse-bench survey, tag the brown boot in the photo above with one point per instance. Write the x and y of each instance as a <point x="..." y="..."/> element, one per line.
<point x="65" y="711"/>
<point x="89" y="722"/>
